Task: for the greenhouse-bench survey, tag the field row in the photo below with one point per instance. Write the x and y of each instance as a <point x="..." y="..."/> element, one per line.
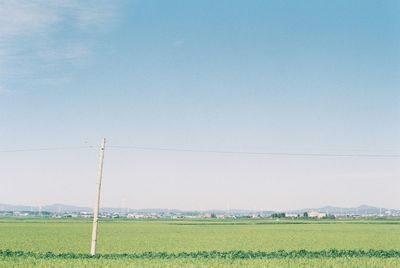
<point x="366" y="262"/>
<point x="238" y="254"/>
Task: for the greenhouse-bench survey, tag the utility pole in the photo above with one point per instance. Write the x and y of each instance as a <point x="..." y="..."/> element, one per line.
<point x="97" y="204"/>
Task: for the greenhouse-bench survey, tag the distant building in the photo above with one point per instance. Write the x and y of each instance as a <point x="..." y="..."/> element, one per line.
<point x="316" y="214"/>
<point x="135" y="216"/>
<point x="142" y="216"/>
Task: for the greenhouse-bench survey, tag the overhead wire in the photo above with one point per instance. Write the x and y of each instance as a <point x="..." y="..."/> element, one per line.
<point x="46" y="149"/>
<point x="254" y="152"/>
<point x="302" y="154"/>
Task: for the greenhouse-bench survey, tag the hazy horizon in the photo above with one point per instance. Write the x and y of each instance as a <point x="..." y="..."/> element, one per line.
<point x="316" y="77"/>
<point x="42" y="206"/>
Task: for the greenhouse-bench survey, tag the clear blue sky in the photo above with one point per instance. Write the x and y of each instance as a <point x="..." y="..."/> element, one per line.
<point x="281" y="76"/>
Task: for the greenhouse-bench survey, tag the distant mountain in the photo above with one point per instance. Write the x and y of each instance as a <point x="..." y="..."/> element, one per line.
<point x="65" y="208"/>
<point x="6" y="207"/>
<point x="50" y="208"/>
<point x="62" y="208"/>
<point x="360" y="210"/>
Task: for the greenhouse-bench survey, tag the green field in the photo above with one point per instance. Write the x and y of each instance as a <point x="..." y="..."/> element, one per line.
<point x="255" y="243"/>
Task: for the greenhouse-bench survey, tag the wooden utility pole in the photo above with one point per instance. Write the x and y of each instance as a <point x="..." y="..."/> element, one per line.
<point x="97" y="204"/>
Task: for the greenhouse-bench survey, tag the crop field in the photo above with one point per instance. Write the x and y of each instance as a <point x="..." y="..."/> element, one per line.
<point x="208" y="243"/>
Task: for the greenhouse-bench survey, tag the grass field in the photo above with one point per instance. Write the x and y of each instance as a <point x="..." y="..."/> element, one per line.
<point x="255" y="243"/>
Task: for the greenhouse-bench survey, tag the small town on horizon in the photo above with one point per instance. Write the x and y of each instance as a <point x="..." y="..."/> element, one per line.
<point x="67" y="211"/>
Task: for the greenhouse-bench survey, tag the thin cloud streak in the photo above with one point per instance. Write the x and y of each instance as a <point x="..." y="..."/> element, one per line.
<point x="28" y="35"/>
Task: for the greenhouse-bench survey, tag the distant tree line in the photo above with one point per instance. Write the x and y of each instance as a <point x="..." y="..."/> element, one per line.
<point x="278" y="215"/>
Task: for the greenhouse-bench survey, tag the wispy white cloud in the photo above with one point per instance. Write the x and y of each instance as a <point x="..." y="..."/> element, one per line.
<point x="4" y="91"/>
<point x="28" y="17"/>
<point x="70" y="52"/>
<point x="178" y="43"/>
<point x="19" y="18"/>
<point x="35" y="33"/>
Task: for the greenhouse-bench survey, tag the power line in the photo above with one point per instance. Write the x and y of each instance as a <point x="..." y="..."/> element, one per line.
<point x="45" y="149"/>
<point x="204" y="151"/>
<point x="255" y="153"/>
